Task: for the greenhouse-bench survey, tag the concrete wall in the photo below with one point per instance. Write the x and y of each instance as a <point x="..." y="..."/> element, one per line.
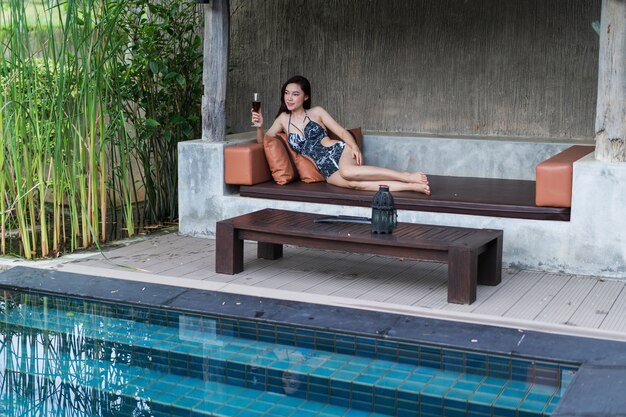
<point x="453" y="67"/>
<point x="592" y="243"/>
<point x="458" y="156"/>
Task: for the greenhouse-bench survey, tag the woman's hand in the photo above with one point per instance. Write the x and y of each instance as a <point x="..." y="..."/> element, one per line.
<point x="257" y="119"/>
<point x="356" y="155"/>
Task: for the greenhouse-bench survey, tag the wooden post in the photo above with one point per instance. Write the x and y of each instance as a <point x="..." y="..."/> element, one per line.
<point x="215" y="70"/>
<point x="611" y="105"/>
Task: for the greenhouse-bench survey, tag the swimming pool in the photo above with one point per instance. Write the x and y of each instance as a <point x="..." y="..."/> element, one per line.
<point x="69" y="356"/>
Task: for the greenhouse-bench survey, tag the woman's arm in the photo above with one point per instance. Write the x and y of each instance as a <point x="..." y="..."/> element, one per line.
<point x="257" y="119"/>
<point x="332" y="125"/>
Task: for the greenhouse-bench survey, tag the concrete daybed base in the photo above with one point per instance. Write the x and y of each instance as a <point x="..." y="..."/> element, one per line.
<point x="591" y="243"/>
<point x="494" y="197"/>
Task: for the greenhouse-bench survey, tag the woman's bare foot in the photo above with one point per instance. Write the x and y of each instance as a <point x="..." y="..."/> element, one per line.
<point x="422" y="188"/>
<point x="417" y="178"/>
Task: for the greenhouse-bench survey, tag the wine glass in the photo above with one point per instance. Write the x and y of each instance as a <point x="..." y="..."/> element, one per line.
<point x="256" y="104"/>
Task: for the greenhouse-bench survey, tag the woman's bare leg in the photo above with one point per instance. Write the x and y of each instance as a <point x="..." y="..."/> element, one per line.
<point x="350" y="171"/>
<point x="339" y="181"/>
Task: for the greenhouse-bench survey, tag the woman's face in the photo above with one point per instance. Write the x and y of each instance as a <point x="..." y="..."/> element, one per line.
<point x="294" y="97"/>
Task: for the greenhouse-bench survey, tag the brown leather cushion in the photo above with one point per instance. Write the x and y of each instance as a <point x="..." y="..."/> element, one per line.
<point x="278" y="159"/>
<point x="245" y="164"/>
<point x="554" y="177"/>
<point x="307" y="171"/>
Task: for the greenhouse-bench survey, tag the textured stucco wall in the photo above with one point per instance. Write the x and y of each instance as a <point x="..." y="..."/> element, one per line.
<point x="524" y="68"/>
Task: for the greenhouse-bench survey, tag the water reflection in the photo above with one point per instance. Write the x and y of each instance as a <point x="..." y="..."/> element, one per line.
<point x="48" y="373"/>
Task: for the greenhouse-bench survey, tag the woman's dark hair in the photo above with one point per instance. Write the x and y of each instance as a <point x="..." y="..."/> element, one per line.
<point x="306" y="89"/>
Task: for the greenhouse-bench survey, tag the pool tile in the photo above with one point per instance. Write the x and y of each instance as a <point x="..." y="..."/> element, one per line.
<point x="341" y="394"/>
<point x="302" y="413"/>
<point x="506" y="406"/>
<point x="366" y="379"/>
<point x="356" y="413"/>
<point x="433" y="397"/>
<point x="455" y="394"/>
<point x="407" y="408"/>
<point x="384" y="409"/>
<point x="409" y="392"/>
<point x="261" y="407"/>
<point x="354" y="368"/>
<point x="344" y="376"/>
<point x="227" y="410"/>
<point x="397" y="383"/>
<point x="250" y="413"/>
<point x="494" y="382"/>
<point x="397" y="375"/>
<point x="361" y="405"/>
<point x="186" y="402"/>
<point x="430" y="410"/>
<point x="454" y="412"/>
<point x="205" y="407"/>
<point x="466" y="385"/>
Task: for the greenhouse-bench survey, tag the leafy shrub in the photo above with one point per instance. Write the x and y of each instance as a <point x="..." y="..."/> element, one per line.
<point x="161" y="88"/>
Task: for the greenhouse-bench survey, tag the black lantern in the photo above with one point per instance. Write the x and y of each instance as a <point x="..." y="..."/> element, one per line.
<point x="384" y="215"/>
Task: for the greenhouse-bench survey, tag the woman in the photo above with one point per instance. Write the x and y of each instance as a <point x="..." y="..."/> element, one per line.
<point x="341" y="163"/>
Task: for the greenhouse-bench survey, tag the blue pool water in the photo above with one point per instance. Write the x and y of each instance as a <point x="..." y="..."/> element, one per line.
<point x="70" y="357"/>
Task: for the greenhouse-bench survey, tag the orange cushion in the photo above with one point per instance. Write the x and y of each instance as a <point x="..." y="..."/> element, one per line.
<point x="307" y="171"/>
<point x="278" y="160"/>
<point x="245" y="164"/>
<point x="554" y="177"/>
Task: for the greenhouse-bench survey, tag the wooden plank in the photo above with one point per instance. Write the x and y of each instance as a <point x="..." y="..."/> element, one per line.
<point x="616" y="319"/>
<point x="377" y="268"/>
<point x="604" y="306"/>
<point x="405" y="273"/>
<point x="324" y="261"/>
<point x="350" y="268"/>
<point x="505" y="296"/>
<point x="565" y="303"/>
<point x="303" y="265"/>
<point x="436" y="296"/>
<point x="420" y="288"/>
<point x="533" y="300"/>
<point x="179" y="253"/>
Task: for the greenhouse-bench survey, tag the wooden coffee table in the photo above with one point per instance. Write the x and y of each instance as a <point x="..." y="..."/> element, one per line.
<point x="473" y="255"/>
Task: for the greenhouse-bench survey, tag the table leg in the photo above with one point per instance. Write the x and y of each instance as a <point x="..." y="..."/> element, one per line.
<point x="228" y="249"/>
<point x="490" y="263"/>
<point x="462" y="271"/>
<point x="269" y="251"/>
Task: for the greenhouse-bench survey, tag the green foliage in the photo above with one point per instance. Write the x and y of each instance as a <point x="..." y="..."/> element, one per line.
<point x="161" y="86"/>
<point x="104" y="86"/>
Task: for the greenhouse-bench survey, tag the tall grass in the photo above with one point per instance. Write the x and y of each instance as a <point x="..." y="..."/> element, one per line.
<point x="94" y="96"/>
<point x="58" y="109"/>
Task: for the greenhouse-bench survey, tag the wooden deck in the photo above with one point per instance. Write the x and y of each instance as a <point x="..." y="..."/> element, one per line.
<point x="585" y="306"/>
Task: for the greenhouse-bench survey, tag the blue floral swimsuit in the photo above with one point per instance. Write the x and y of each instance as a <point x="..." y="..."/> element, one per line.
<point x="326" y="158"/>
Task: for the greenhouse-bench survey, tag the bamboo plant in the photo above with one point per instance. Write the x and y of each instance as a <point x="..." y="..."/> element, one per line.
<point x="89" y="113"/>
<point x="56" y="100"/>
